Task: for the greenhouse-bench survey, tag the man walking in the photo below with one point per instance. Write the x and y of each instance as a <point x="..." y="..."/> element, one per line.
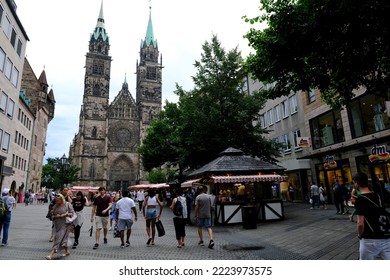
<point x="101" y="206"/>
<point x="203" y="215"/>
<point x="372" y="229"/>
<point x="5" y="220"/>
<point x="140" y="199"/>
<point x="315" y="195"/>
<point x="124" y="218"/>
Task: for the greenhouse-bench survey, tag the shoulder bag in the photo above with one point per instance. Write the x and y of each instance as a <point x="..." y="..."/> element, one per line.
<point x="70" y="219"/>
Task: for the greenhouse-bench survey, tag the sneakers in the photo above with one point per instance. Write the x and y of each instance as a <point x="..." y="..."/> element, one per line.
<point x="127" y="244"/>
<point x="3" y="244"/>
<point x="105" y="240"/>
<point x="211" y="244"/>
<point x="110" y="229"/>
<point x="201" y="243"/>
<point x="96" y="246"/>
<point x="75" y="245"/>
<point x="149" y="240"/>
<point x="122" y="245"/>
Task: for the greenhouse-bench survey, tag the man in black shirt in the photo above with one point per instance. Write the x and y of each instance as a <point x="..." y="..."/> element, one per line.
<point x="371" y="222"/>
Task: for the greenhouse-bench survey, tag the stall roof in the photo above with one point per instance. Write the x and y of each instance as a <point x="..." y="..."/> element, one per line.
<point x="84" y="189"/>
<point x="234" y="161"/>
<point x="149" y="186"/>
<point x="188" y="184"/>
<point x="248" y="178"/>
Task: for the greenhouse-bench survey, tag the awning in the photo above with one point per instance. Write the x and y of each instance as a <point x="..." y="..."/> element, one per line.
<point x="149" y="186"/>
<point x="84" y="189"/>
<point x="248" y="178"/>
<point x="188" y="184"/>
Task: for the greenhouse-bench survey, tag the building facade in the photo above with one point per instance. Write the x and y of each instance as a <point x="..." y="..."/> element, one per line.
<point x="13" y="40"/>
<point x="322" y="145"/>
<point x="106" y="145"/>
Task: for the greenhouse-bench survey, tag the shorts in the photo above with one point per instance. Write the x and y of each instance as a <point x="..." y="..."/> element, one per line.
<point x="124" y="223"/>
<point x="151" y="213"/>
<point x="101" y="222"/>
<point x="203" y="222"/>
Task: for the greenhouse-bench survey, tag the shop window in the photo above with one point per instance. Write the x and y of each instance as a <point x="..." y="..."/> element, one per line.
<point x="369" y="114"/>
<point x="326" y="129"/>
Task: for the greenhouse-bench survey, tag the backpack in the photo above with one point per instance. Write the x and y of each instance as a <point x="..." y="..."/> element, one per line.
<point x="3" y="208"/>
<point x="178" y="208"/>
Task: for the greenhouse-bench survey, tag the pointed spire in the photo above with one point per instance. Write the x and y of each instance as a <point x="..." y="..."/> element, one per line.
<point x="125" y="85"/>
<point x="149" y="38"/>
<point x="100" y="29"/>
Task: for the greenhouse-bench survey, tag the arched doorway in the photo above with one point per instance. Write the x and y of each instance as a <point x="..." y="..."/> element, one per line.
<point x="122" y="173"/>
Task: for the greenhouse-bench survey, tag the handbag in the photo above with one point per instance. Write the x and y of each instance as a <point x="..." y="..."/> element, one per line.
<point x="160" y="228"/>
<point x="70" y="219"/>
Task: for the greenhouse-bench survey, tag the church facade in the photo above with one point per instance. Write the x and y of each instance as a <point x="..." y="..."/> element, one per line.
<point x="106" y="145"/>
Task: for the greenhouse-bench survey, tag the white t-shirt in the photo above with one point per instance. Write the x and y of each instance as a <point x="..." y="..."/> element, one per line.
<point x="124" y="206"/>
<point x="140" y="196"/>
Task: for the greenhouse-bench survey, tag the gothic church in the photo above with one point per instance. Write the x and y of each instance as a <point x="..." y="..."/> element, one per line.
<point x="106" y="145"/>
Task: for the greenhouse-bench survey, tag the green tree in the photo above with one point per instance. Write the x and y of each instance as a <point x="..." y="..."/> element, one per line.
<point x="54" y="174"/>
<point x="213" y="116"/>
<point x="336" y="46"/>
<point x="157" y="176"/>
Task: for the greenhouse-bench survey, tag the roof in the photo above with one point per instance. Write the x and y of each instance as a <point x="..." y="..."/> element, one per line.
<point x="249" y="178"/>
<point x="234" y="161"/>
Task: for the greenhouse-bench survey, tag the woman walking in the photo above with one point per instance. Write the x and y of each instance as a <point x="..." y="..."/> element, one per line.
<point x="180" y="220"/>
<point x="61" y="210"/>
<point x="149" y="210"/>
<point x="78" y="204"/>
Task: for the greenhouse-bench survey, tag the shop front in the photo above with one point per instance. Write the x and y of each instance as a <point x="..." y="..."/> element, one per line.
<point x="240" y="181"/>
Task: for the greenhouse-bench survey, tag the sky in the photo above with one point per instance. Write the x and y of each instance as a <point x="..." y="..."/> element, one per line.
<point x="59" y="33"/>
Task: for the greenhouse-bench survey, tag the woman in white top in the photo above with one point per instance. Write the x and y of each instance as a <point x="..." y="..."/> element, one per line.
<point x="149" y="209"/>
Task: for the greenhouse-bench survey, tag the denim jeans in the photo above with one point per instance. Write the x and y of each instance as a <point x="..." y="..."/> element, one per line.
<point x="4" y="225"/>
<point x="370" y="249"/>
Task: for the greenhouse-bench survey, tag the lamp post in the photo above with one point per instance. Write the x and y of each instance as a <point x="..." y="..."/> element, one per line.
<point x="63" y="166"/>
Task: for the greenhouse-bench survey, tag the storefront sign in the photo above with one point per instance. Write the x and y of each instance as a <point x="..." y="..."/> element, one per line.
<point x="303" y="142"/>
<point x="378" y="153"/>
<point x="330" y="162"/>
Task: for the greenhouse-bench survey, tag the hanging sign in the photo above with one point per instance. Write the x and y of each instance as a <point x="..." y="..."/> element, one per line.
<point x="303" y="142"/>
<point x="378" y="153"/>
<point x="330" y="162"/>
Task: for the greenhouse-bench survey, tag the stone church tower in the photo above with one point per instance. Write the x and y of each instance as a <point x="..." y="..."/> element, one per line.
<point x="106" y="146"/>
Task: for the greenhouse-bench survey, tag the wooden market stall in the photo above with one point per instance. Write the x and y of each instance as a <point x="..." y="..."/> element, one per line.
<point x="239" y="181"/>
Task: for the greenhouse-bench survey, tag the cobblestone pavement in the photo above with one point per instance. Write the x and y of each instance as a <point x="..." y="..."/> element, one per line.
<point x="304" y="234"/>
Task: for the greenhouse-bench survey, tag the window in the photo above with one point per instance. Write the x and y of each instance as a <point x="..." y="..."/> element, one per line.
<point x="287" y="143"/>
<point x="3" y="102"/>
<point x="297" y="133"/>
<point x="8" y="69"/>
<point x="11" y="107"/>
<point x="285" y="108"/>
<point x="262" y="121"/>
<point x="1" y="135"/>
<point x="7" y="26"/>
<point x="15" y="77"/>
<point x="5" y="142"/>
<point x="311" y="96"/>
<point x="270" y="119"/>
<point x="1" y="13"/>
<point x="19" y="48"/>
<point x="98" y="68"/>
<point x="13" y="38"/>
<point x="326" y="129"/>
<point x="2" y="59"/>
<point x="151" y="73"/>
<point x="293" y="104"/>
<point x="277" y="113"/>
<point x="367" y="114"/>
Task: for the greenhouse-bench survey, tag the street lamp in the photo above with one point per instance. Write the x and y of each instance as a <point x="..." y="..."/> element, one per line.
<point x="63" y="166"/>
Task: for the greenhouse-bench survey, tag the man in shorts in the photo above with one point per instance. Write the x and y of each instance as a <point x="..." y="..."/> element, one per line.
<point x="203" y="215"/>
<point x="124" y="217"/>
<point x="101" y="208"/>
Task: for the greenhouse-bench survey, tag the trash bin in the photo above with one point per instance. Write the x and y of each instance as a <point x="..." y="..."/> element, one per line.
<point x="249" y="218"/>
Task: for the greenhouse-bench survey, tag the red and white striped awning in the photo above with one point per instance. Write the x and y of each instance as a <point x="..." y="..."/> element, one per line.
<point x="249" y="178"/>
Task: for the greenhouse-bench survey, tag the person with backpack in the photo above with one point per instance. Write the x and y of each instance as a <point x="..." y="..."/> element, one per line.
<point x="7" y="203"/>
<point x="179" y="208"/>
<point x="373" y="226"/>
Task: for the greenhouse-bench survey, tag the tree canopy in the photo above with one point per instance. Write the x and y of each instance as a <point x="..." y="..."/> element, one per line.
<point x="54" y="174"/>
<point x="336" y="46"/>
<point x="216" y="114"/>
